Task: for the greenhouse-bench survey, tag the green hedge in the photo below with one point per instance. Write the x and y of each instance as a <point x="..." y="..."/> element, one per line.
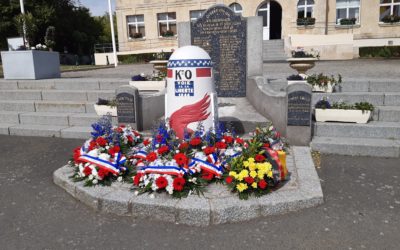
<point x="385" y="51"/>
<point x="140" y="58"/>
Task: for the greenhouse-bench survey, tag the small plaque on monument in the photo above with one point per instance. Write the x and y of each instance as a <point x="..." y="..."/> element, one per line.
<point x="299" y="108"/>
<point x="127" y="97"/>
<point x="222" y="33"/>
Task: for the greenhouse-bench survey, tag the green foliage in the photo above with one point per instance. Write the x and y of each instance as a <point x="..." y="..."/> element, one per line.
<point x="304" y="21"/>
<point x="385" y="51"/>
<point x="322" y="80"/>
<point x="49" y="39"/>
<point x="141" y="58"/>
<point x="28" y="23"/>
<point x="364" y="106"/>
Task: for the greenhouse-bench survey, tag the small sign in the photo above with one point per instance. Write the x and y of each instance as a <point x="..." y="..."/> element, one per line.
<point x="184" y="88"/>
<point x="126" y="108"/>
<point x="299" y="109"/>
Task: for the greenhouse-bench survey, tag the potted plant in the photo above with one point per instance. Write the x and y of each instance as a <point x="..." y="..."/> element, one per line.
<point x="303" y="60"/>
<point x="391" y="19"/>
<point x="323" y="83"/>
<point x="359" y="112"/>
<point x="295" y="78"/>
<point x="106" y="107"/>
<point x="137" y="35"/>
<point x="167" y="33"/>
<point x="305" y="21"/>
<point x="348" y="21"/>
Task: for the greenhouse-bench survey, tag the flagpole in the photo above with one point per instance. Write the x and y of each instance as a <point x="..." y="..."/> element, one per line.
<point x="112" y="33"/>
<point x="21" y="4"/>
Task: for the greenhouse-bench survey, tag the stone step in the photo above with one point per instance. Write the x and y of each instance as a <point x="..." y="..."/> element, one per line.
<point x="77" y="95"/>
<point x="388" y="113"/>
<point x="36" y="130"/>
<point x="9" y="117"/>
<point x="64" y="106"/>
<point x="376" y="99"/>
<point x="375" y="85"/>
<point x="44" y="118"/>
<point x="357" y="146"/>
<point x="63" y="84"/>
<point x="373" y="129"/>
<point x="12" y="105"/>
<point x="20" y="95"/>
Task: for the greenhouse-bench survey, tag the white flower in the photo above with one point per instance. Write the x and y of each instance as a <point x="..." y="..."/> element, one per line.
<point x="95" y="181"/>
<point x="170" y="189"/>
<point x="203" y="147"/>
<point x="105" y="157"/>
<point x="119" y="179"/>
<point x="152" y="196"/>
<point x="107" y="147"/>
<point x="91" y="177"/>
<point x="177" y="151"/>
<point x="136" y="193"/>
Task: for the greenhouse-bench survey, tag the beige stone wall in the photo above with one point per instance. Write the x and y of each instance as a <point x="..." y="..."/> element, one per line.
<point x="369" y="20"/>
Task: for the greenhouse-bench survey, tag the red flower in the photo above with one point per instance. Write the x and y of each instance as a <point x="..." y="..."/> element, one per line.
<point x="162" y="150"/>
<point x="249" y="180"/>
<point x="262" y="184"/>
<point x="122" y="125"/>
<point x="181" y="159"/>
<point x="179" y="183"/>
<point x="228" y="139"/>
<point x="119" y="130"/>
<point x="102" y="173"/>
<point x="150" y="157"/>
<point x="159" y="138"/>
<point x="195" y="141"/>
<point x="101" y="141"/>
<point x="146" y="142"/>
<point x="112" y="151"/>
<point x="130" y="139"/>
<point x="136" y="179"/>
<point x="259" y="158"/>
<point x="239" y="141"/>
<point x="161" y="182"/>
<point x="207" y="176"/>
<point x="87" y="171"/>
<point x="220" y="145"/>
<point x="92" y="145"/>
<point x="229" y="179"/>
<point x="183" y="146"/>
<point x="77" y="154"/>
<point x="209" y="150"/>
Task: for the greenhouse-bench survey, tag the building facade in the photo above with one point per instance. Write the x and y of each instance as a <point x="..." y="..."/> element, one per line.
<point x="151" y="25"/>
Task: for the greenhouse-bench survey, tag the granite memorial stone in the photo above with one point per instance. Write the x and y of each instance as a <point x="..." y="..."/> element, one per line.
<point x="223" y="34"/>
<point x="299" y="114"/>
<point x="127" y="105"/>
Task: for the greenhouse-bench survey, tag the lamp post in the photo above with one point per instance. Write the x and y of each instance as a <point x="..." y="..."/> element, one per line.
<point x="112" y="33"/>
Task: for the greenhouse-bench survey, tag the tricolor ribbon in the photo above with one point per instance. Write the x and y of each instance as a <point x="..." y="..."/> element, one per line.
<point x="140" y="155"/>
<point x="113" y="166"/>
<point x="170" y="170"/>
<point x="272" y="154"/>
<point x="216" y="168"/>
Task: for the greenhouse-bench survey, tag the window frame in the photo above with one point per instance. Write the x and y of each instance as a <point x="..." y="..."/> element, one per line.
<point x="306" y="6"/>
<point x="136" y="25"/>
<point x="232" y="6"/>
<point x="391" y="4"/>
<point x="192" y="11"/>
<point x="167" y="21"/>
<point x="347" y="8"/>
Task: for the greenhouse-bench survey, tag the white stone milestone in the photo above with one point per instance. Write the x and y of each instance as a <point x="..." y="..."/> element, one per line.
<point x="190" y="97"/>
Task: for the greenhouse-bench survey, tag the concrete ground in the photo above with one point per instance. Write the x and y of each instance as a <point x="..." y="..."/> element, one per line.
<point x="361" y="210"/>
<point x="350" y="69"/>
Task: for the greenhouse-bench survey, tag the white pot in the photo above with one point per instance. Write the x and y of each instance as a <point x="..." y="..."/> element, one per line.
<point x="105" y="110"/>
<point x="342" y="115"/>
<point x="328" y="89"/>
<point x="296" y="81"/>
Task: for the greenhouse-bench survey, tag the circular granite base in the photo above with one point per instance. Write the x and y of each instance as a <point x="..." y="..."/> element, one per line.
<point x="217" y="206"/>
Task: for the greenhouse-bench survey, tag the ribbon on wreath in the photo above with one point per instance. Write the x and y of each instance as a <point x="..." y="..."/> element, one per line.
<point x="140" y="155"/>
<point x="211" y="164"/>
<point x="114" y="166"/>
<point x="170" y="170"/>
<point x="273" y="155"/>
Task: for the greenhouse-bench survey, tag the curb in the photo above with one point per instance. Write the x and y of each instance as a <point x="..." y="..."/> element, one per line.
<point x="218" y="206"/>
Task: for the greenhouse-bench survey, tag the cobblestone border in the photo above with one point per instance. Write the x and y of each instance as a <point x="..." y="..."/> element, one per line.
<point x="218" y="205"/>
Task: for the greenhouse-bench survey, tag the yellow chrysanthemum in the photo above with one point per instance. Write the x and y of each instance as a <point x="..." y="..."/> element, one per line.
<point x="251" y="159"/>
<point x="241" y="187"/>
<point x="246" y="164"/>
<point x="254" y="185"/>
<point x="252" y="166"/>
<point x="269" y="174"/>
<point x="260" y="175"/>
<point x="253" y="174"/>
<point x="233" y="174"/>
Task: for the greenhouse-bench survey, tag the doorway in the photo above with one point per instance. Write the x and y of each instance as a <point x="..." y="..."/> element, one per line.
<point x="271" y="13"/>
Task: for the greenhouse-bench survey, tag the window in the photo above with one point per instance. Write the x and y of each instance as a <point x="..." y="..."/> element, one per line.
<point x="389" y="8"/>
<point x="195" y="14"/>
<point x="264" y="12"/>
<point x="166" y="24"/>
<point x="237" y="8"/>
<point x="305" y="8"/>
<point x="347" y="9"/>
<point x="135" y="26"/>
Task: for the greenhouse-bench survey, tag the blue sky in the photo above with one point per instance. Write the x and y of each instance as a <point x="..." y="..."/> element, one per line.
<point x="97" y="7"/>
